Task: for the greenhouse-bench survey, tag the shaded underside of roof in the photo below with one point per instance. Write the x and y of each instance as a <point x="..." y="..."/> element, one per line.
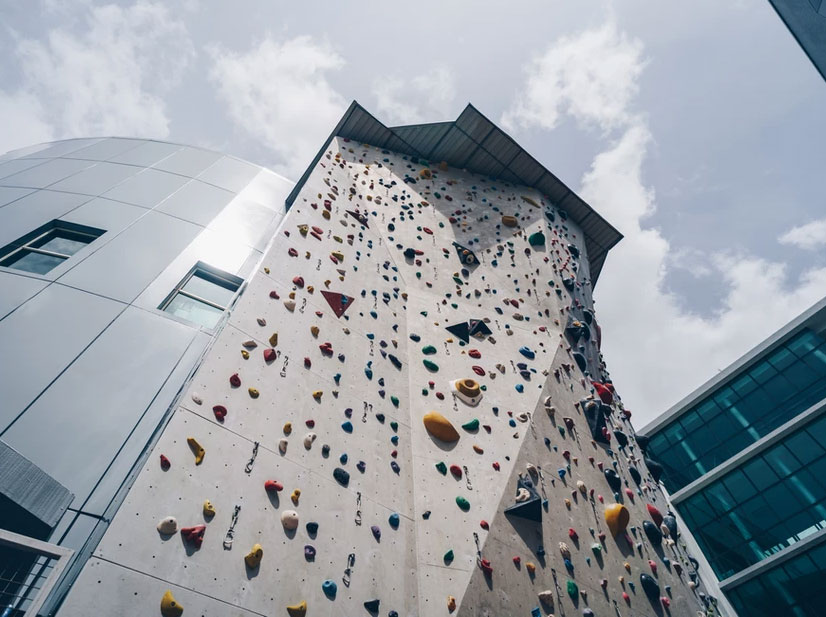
<point x="474" y="143"/>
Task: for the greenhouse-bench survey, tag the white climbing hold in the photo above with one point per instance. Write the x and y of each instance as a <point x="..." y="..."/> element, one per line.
<point x="168" y="526"/>
<point x="309" y="438"/>
<point x="289" y="519"/>
<point x="282" y="445"/>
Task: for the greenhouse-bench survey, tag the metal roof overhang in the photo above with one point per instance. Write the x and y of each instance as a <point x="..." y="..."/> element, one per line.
<point x="474" y="143"/>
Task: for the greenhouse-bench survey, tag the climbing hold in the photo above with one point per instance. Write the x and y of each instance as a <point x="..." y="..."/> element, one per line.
<point x="289" y="519"/>
<point x="234" y="380"/>
<point x="573" y="589"/>
<point x="197" y="450"/>
<point x="430" y="365"/>
<point x="253" y="558"/>
<point x="441" y="468"/>
<point x="536" y="239"/>
<point x="528" y="502"/>
<point x="170" y="607"/>
<point x="329" y="588"/>
<point x="273" y="486"/>
<point x="448" y="556"/>
<point x="486" y="567"/>
<point x="547" y="599"/>
<point x="472" y="425"/>
<point x="451" y="604"/>
<point x="347" y="426"/>
<point x="463" y="503"/>
<point x="341" y="476"/>
<point x="168" y="526"/>
<point x="282" y="445"/>
<point x="617" y="517"/>
<point x="220" y="412"/>
<point x="509" y="221"/>
<point x="253" y="393"/>
<point x="468" y="390"/>
<point x="527" y="352"/>
<point x="655" y="536"/>
<point x="393" y="520"/>
<point x="309" y="552"/>
<point x="338" y="302"/>
<point x="376" y="531"/>
<point x="309" y="438"/>
<point x="613" y="480"/>
<point x="295" y="495"/>
<point x="650" y="587"/>
<point x="208" y="509"/>
<point x="194" y="535"/>
<point x="440" y="427"/>
<point x="165" y="463"/>
<point x="297" y="610"/>
<point x="372" y="606"/>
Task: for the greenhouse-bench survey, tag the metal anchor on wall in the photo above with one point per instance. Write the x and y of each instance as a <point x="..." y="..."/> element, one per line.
<point x="231" y="531"/>
<point x="283" y="372"/>
<point x="358" y="508"/>
<point x="251" y="462"/>
<point x="351" y="561"/>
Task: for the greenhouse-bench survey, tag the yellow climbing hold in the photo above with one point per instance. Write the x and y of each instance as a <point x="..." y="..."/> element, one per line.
<point x="209" y="509"/>
<point x="245" y="354"/>
<point x="295" y="495"/>
<point x="617" y="517"/>
<point x="338" y="255"/>
<point x="297" y="610"/>
<point x="317" y="394"/>
<point x="254" y="393"/>
<point x="451" y="604"/>
<point x="274" y="339"/>
<point x="509" y="221"/>
<point x="170" y="606"/>
<point x="314" y="330"/>
<point x="440" y="427"/>
<point x="197" y="450"/>
<point x="253" y="558"/>
<point x="478" y="449"/>
<point x="288" y="428"/>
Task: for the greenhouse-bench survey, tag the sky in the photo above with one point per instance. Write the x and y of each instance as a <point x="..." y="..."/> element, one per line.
<point x="695" y="128"/>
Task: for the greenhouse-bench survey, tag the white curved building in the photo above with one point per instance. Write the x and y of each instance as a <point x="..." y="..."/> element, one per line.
<point x="119" y="257"/>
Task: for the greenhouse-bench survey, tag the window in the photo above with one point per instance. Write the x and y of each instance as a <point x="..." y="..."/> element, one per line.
<point x="47" y="247"/>
<point x="202" y="296"/>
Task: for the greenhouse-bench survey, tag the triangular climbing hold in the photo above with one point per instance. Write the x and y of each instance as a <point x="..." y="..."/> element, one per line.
<point x="338" y="302"/>
<point x="358" y="216"/>
<point x="460" y="331"/>
<point x="466" y="256"/>
<point x="478" y="327"/>
<point x="528" y="502"/>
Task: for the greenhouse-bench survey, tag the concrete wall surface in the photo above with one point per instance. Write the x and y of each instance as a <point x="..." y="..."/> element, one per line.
<point x="350" y="392"/>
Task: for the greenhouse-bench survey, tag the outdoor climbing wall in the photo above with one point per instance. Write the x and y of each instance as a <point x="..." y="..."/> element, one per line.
<point x="407" y="414"/>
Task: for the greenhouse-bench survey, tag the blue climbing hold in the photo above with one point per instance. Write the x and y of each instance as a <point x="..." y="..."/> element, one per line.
<point x="347" y="426"/>
<point x="394" y="520"/>
<point x="527" y="352"/>
<point x="329" y="588"/>
<point x="561" y="471"/>
<point x="343" y="458"/>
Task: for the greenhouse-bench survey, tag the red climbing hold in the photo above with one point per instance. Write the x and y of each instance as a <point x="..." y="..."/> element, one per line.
<point x="478" y="370"/>
<point x="517" y="561"/>
<point x="326" y="348"/>
<point x="339" y="302"/>
<point x="603" y="392"/>
<point x="234" y="380"/>
<point x="269" y="355"/>
<point x="655" y="514"/>
<point x="307" y="363"/>
<point x="273" y="486"/>
<point x="496" y="466"/>
<point x="474" y="353"/>
<point x="310" y="423"/>
<point x="274" y="295"/>
<point x="427" y="230"/>
<point x="298" y="281"/>
<point x="165" y="464"/>
<point x="456" y="471"/>
<point x="484" y="525"/>
<point x="220" y="412"/>
<point x="194" y="535"/>
<point x="573" y="534"/>
<point x="486" y="567"/>
<point x="292" y="252"/>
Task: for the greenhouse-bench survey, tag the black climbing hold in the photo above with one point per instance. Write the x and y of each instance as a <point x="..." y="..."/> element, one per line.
<point x="655" y="468"/>
<point x="341" y="476"/>
<point x="312" y="528"/>
<point x="650" y="587"/>
<point x="622" y="438"/>
<point x="461" y="331"/>
<point x="613" y="480"/>
<point x="653" y="532"/>
<point x="531" y="508"/>
<point x="372" y="606"/>
<point x="580" y="361"/>
<point x="642" y="441"/>
<point x="670" y="523"/>
<point x="358" y="216"/>
<point x="596" y="420"/>
<point x="466" y="256"/>
<point x="635" y="475"/>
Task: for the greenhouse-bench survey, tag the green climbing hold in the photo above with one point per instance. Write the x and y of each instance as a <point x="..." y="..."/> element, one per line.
<point x="430" y="365"/>
<point x="394" y="400"/>
<point x="473" y="425"/>
<point x="561" y="430"/>
<point x="573" y="590"/>
<point x="428" y="350"/>
<point x="463" y="503"/>
<point x="536" y="239"/>
<point x="394" y="425"/>
<point x="448" y="558"/>
<point x="441" y="468"/>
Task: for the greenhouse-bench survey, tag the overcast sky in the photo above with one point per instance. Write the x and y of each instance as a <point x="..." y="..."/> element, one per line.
<point x="698" y="129"/>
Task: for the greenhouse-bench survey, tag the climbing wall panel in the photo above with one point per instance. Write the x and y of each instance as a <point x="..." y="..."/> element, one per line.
<point x="415" y="355"/>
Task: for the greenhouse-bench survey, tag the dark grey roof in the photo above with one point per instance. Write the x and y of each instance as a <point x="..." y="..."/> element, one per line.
<point x="474" y="143"/>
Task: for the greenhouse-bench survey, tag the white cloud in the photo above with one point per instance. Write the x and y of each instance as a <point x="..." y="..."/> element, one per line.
<point x="591" y="76"/>
<point x="23" y="121"/>
<point x="109" y="78"/>
<point x="809" y="236"/>
<point x="279" y="93"/>
<point x="657" y="351"/>
<point x="424" y="98"/>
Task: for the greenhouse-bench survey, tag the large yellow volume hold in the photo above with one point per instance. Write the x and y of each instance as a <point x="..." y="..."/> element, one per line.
<point x="440" y="427"/>
<point x="617" y="517"/>
<point x="170" y="606"/>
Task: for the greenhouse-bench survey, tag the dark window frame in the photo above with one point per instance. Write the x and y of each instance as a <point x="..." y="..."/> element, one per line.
<point x="210" y="274"/>
<point x="55" y="228"/>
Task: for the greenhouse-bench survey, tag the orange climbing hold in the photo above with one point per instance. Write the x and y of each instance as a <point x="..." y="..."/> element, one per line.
<point x="440" y="427"/>
<point x="617" y="517"/>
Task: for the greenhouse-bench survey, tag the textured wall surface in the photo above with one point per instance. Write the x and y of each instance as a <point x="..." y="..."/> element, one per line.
<point x="421" y="522"/>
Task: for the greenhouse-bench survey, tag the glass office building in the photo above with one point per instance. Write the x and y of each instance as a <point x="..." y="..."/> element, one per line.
<point x="744" y="460"/>
<point x="118" y="258"/>
<point x="806" y="20"/>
